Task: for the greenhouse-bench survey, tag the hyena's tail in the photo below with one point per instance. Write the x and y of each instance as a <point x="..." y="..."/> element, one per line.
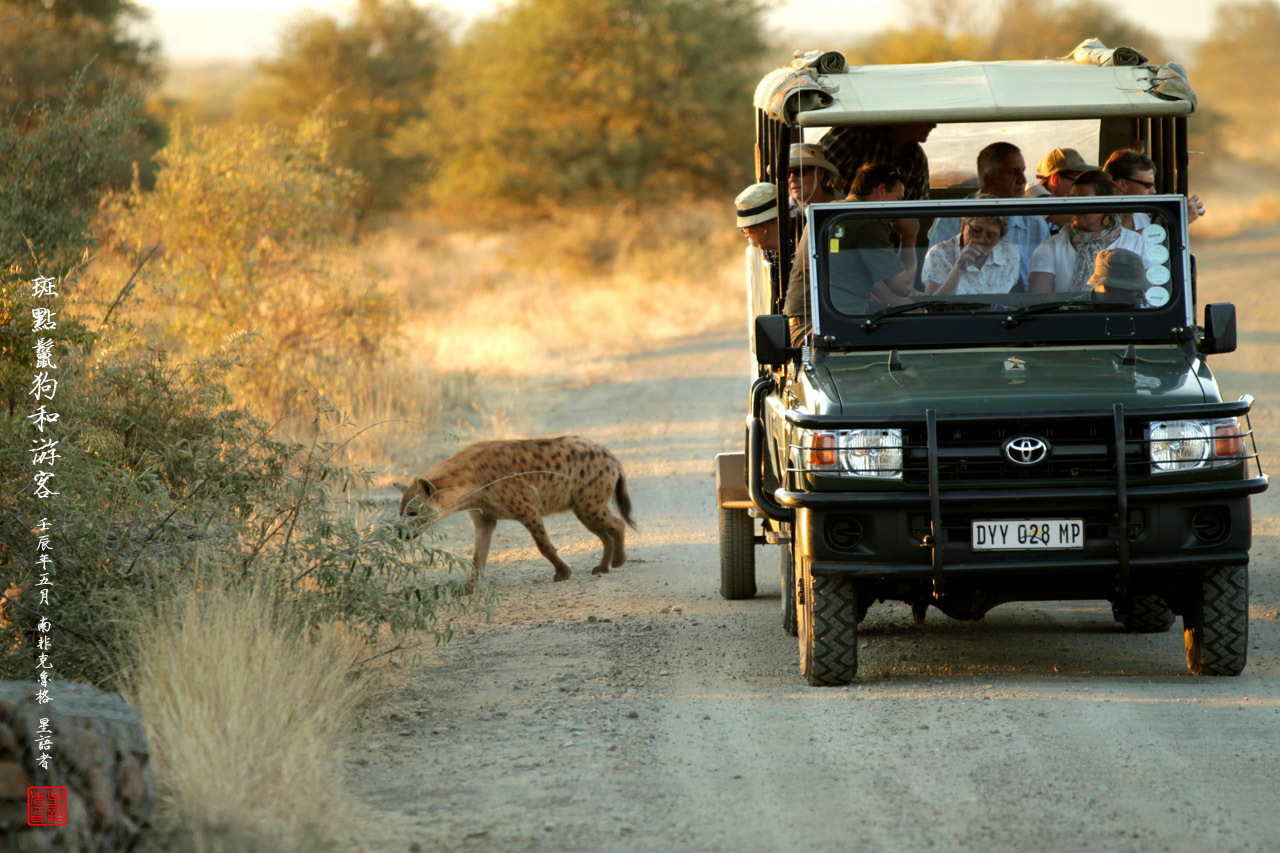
<point x="623" y="499"/>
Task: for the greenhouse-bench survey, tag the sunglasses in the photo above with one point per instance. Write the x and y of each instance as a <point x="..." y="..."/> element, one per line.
<point x="1149" y="185"/>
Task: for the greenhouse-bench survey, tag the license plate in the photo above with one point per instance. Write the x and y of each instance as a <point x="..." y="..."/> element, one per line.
<point x="1027" y="535"/>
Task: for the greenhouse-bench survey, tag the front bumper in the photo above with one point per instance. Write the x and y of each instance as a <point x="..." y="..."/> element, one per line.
<point x="1131" y="530"/>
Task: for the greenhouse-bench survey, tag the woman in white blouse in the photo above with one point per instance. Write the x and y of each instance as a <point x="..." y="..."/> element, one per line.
<point x="1064" y="262"/>
<point x="974" y="261"/>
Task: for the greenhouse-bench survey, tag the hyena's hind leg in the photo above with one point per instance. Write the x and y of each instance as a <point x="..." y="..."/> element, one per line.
<point x="616" y="524"/>
<point x="603" y="524"/>
<point x="484" y="525"/>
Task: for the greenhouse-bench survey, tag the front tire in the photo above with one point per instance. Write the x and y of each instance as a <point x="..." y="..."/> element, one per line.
<point x="828" y="630"/>
<point x="737" y="554"/>
<point x="1216" y="624"/>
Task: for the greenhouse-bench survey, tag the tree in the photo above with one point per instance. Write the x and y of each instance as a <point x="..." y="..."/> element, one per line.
<point x="369" y="78"/>
<point x="244" y="217"/>
<point x="53" y="48"/>
<point x="47" y="48"/>
<point x="1240" y="51"/>
<point x="938" y="30"/>
<point x="585" y="101"/>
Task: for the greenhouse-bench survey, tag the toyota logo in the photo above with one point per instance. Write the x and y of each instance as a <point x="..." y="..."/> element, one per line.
<point x="1026" y="450"/>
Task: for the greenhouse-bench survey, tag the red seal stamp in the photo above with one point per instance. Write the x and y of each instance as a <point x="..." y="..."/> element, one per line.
<point x="46" y="806"/>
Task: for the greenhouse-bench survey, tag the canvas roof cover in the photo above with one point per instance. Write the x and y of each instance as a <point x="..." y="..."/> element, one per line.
<point x="946" y="92"/>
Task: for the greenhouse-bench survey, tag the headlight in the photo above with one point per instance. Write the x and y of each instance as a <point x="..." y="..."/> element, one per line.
<point x="1178" y="445"/>
<point x="872" y="452"/>
<point x="849" y="452"/>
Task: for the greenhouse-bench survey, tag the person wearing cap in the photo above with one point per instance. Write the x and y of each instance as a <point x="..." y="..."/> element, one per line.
<point x="811" y="177"/>
<point x="1135" y="174"/>
<point x="1002" y="173"/>
<point x="1118" y="275"/>
<point x="1057" y="172"/>
<point x="1054" y="177"/>
<point x="757" y="208"/>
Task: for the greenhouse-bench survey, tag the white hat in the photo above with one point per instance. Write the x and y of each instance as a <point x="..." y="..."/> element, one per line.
<point x="810" y="154"/>
<point x="757" y="203"/>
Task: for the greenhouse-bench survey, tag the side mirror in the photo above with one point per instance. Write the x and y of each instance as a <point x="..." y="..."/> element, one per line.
<point x="1219" y="328"/>
<point x="773" y="341"/>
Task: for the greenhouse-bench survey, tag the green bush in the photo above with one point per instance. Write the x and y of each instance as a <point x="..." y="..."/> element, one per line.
<point x="160" y="477"/>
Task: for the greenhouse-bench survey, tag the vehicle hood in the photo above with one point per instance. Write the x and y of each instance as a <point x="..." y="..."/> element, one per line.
<point x="991" y="380"/>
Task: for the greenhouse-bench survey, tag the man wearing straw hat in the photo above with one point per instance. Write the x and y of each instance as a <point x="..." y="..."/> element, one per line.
<point x="757" y="208"/>
<point x="811" y="177"/>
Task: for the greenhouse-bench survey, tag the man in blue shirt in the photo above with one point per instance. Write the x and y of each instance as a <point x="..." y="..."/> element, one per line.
<point x="1002" y="173"/>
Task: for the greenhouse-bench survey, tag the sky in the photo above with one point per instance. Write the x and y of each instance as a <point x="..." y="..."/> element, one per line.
<point x="204" y="30"/>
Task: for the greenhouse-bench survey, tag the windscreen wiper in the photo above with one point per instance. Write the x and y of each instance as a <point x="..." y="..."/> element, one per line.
<point x="1015" y="316"/>
<point x="869" y="325"/>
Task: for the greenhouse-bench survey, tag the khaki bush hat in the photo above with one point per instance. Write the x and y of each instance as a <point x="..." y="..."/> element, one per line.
<point x="1062" y="160"/>
<point x="810" y="154"/>
<point x="757" y="203"/>
<point x="1118" y="269"/>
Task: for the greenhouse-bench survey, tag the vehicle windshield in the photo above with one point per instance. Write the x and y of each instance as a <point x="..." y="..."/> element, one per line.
<point x="1064" y="258"/>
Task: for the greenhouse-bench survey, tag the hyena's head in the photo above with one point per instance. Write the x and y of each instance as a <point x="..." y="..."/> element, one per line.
<point x="417" y="505"/>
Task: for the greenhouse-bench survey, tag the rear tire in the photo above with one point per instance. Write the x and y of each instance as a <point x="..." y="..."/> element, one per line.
<point x="828" y="630"/>
<point x="1216" y="624"/>
<point x="737" y="554"/>
<point x="789" y="621"/>
<point x="1144" y="614"/>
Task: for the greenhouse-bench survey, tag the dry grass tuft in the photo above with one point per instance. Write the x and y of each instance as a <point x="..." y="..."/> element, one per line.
<point x="246" y="722"/>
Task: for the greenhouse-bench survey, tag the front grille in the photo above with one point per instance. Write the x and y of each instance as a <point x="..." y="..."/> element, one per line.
<point x="970" y="453"/>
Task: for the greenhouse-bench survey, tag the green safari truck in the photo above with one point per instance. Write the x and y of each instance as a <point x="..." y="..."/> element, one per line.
<point x="962" y="450"/>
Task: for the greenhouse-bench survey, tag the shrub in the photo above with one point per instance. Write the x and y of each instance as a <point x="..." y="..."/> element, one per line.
<point x="159" y="476"/>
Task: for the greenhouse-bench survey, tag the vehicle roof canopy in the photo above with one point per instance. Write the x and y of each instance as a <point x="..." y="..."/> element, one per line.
<point x="820" y="90"/>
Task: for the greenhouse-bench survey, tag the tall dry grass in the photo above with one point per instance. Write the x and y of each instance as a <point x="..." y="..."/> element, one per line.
<point x="246" y="721"/>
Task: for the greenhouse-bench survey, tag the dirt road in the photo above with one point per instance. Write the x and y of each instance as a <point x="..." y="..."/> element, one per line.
<point x="640" y="711"/>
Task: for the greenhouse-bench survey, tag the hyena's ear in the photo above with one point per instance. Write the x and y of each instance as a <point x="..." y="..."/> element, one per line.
<point x="427" y="489"/>
<point x="400" y="486"/>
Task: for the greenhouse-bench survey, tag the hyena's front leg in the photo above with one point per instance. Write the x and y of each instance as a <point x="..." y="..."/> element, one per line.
<point x="484" y="525"/>
<point x="533" y="524"/>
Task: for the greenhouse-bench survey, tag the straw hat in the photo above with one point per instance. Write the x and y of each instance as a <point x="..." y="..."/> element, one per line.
<point x="810" y="154"/>
<point x="757" y="203"/>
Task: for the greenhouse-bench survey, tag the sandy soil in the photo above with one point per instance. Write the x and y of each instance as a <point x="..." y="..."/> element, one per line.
<point x="640" y="711"/>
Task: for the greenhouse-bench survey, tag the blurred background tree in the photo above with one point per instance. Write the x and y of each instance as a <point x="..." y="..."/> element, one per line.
<point x="942" y="30"/>
<point x="370" y="77"/>
<point x="1231" y="70"/>
<point x="52" y="48"/>
<point x="245" y="218"/>
<point x="579" y="102"/>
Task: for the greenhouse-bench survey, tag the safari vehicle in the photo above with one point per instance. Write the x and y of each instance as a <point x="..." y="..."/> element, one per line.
<point x="966" y="451"/>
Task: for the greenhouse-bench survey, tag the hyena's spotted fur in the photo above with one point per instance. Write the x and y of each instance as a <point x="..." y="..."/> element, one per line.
<point x="524" y="480"/>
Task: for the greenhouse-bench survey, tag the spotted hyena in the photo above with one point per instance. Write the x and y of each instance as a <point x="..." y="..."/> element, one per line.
<point x="524" y="480"/>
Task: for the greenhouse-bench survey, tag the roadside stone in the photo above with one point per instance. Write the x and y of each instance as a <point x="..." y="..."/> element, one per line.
<point x="100" y="755"/>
